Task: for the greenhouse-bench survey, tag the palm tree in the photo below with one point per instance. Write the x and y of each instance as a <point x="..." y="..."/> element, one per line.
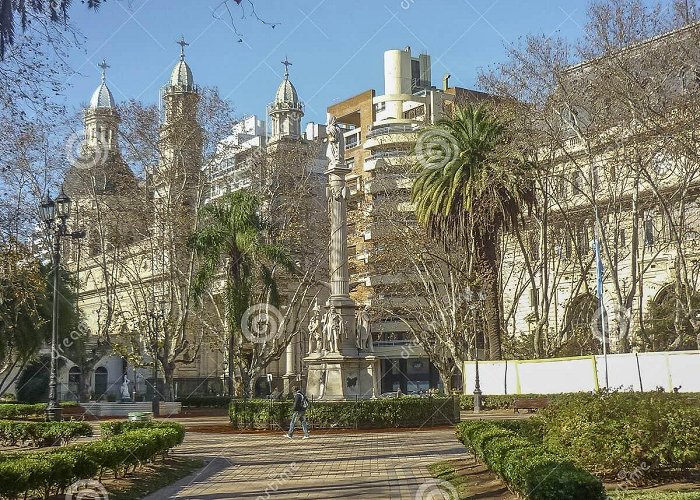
<point x="231" y="237"/>
<point x="469" y="192"/>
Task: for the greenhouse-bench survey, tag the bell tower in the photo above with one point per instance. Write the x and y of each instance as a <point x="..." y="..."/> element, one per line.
<point x="180" y="132"/>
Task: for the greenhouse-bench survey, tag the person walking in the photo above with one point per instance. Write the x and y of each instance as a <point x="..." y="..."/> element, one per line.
<point x="299" y="409"/>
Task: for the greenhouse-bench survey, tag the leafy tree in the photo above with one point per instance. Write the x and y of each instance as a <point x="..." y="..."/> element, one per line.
<point x="470" y="194"/>
<point x="232" y="233"/>
<point x="26" y="309"/>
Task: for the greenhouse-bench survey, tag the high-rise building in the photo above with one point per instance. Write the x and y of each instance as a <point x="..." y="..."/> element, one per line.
<point x="380" y="134"/>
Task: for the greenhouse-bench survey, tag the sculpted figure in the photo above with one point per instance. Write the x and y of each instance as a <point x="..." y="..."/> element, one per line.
<point x="315" y="336"/>
<point x="364" y="330"/>
<point x="335" y="152"/>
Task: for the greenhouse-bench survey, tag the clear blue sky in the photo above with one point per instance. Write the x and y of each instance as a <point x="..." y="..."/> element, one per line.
<point x="336" y="47"/>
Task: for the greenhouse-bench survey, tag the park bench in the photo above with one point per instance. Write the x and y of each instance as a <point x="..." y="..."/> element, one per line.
<point x="75" y="413"/>
<point x="529" y="404"/>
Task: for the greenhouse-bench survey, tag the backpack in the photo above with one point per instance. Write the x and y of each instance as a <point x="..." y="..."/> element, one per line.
<point x="304" y="402"/>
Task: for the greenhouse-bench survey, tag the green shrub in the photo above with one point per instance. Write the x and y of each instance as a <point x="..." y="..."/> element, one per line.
<point x="41" y="473"/>
<point x="114" y="428"/>
<point x="205" y="401"/>
<point x="528" y="468"/>
<point x="609" y="432"/>
<point x="16" y="411"/>
<point x="367" y="413"/>
<point x="14" y="433"/>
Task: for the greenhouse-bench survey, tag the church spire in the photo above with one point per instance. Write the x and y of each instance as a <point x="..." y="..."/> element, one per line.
<point x="286" y="110"/>
<point x="103" y="66"/>
<point x="182" y="43"/>
<point x="287" y="64"/>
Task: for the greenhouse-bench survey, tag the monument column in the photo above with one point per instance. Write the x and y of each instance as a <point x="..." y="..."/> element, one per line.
<point x="289" y="375"/>
<point x="338" y="369"/>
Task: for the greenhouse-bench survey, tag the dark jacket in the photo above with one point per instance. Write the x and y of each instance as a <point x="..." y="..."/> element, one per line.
<point x="299" y="401"/>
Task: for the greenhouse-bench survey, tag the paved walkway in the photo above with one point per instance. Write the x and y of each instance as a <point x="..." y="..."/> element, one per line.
<point x="378" y="466"/>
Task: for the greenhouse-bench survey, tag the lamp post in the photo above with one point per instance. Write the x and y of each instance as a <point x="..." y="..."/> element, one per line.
<point x="55" y="214"/>
<point x="156" y="316"/>
<point x="476" y="300"/>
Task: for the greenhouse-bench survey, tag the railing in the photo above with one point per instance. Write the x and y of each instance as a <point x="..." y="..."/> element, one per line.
<point x="392" y="129"/>
<point x="387" y="154"/>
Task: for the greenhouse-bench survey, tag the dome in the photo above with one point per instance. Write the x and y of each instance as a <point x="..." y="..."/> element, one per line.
<point x="286" y="93"/>
<point x="182" y="75"/>
<point x="102" y="97"/>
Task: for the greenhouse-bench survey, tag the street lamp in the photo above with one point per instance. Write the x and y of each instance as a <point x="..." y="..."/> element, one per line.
<point x="475" y="300"/>
<point x="156" y="316"/>
<point x="55" y="214"/>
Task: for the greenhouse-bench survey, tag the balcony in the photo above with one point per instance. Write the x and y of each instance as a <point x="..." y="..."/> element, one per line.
<point x="392" y="128"/>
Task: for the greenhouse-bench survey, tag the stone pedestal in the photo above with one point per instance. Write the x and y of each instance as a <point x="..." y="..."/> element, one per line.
<point x="333" y="377"/>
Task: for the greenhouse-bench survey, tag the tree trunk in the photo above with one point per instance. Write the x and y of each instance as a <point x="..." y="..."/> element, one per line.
<point x="487" y="273"/>
<point x="168" y="375"/>
<point x="231" y="368"/>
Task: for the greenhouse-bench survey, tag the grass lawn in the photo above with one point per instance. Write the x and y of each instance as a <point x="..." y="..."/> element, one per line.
<point x="149" y="479"/>
<point x="471" y="480"/>
<point x="654" y="495"/>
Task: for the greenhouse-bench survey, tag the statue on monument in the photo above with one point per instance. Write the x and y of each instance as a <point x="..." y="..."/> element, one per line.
<point x="315" y="334"/>
<point x="333" y="329"/>
<point x="335" y="151"/>
<point x="364" y="330"/>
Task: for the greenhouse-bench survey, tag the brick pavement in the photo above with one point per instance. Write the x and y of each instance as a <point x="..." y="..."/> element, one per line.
<point x="385" y="465"/>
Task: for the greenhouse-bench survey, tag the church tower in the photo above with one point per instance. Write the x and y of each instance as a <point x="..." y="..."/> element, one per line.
<point x="101" y="184"/>
<point x="180" y="132"/>
<point x="286" y="110"/>
<point x="101" y="117"/>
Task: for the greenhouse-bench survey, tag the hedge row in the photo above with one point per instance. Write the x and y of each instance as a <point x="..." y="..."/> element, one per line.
<point x="609" y="432"/>
<point x="44" y="473"/>
<point x="505" y="401"/>
<point x="367" y="413"/>
<point x="13" y="433"/>
<point x="115" y="428"/>
<point x="527" y="468"/>
<point x="15" y="411"/>
<point x="205" y="401"/>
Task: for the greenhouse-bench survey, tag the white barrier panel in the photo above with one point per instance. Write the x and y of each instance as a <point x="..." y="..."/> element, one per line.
<point x="566" y="375"/>
<point x="642" y="371"/>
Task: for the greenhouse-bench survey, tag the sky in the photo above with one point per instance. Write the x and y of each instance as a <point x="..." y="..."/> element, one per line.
<point x="336" y="48"/>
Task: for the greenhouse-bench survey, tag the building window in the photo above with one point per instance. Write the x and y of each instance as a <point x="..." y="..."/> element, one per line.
<point x="352" y="141"/>
<point x="648" y="231"/>
<point x="577" y="182"/>
<point x="582" y="241"/>
<point x="414" y="113"/>
<point x="534" y="297"/>
<point x="379" y="107"/>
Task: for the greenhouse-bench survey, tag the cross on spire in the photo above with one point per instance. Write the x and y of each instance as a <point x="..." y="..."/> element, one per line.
<point x="182" y="43"/>
<point x="287" y="64"/>
<point x="103" y="66"/>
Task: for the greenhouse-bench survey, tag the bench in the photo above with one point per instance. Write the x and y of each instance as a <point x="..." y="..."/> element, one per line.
<point x="529" y="404"/>
<point x="75" y="413"/>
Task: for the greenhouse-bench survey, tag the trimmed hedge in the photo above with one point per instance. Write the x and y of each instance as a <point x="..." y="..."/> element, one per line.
<point x="40" y="434"/>
<point x="527" y="468"/>
<point x="42" y="473"/>
<point x="505" y="401"/>
<point x="115" y="428"/>
<point x="17" y="411"/>
<point x="609" y="432"/>
<point x="362" y="414"/>
<point x="205" y="401"/>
